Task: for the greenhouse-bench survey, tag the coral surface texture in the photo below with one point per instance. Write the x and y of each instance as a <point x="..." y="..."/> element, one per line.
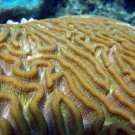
<point x="67" y="76"/>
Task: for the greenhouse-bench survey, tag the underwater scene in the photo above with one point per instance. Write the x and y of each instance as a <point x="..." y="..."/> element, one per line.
<point x="67" y="67"/>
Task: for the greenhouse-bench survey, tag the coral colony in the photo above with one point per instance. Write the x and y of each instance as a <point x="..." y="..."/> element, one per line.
<point x="67" y="76"/>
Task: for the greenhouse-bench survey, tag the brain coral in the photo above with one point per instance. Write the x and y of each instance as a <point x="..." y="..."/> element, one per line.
<point x="67" y="76"/>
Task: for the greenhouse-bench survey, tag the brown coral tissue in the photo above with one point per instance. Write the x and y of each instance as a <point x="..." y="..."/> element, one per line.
<point x="67" y="76"/>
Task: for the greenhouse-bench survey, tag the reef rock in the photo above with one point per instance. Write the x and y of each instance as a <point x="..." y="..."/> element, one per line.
<point x="18" y="9"/>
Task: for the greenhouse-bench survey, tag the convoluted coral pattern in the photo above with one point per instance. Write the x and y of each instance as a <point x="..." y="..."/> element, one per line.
<point x="67" y="76"/>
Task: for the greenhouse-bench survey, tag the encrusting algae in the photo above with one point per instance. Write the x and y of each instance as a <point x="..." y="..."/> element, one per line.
<point x="67" y="76"/>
